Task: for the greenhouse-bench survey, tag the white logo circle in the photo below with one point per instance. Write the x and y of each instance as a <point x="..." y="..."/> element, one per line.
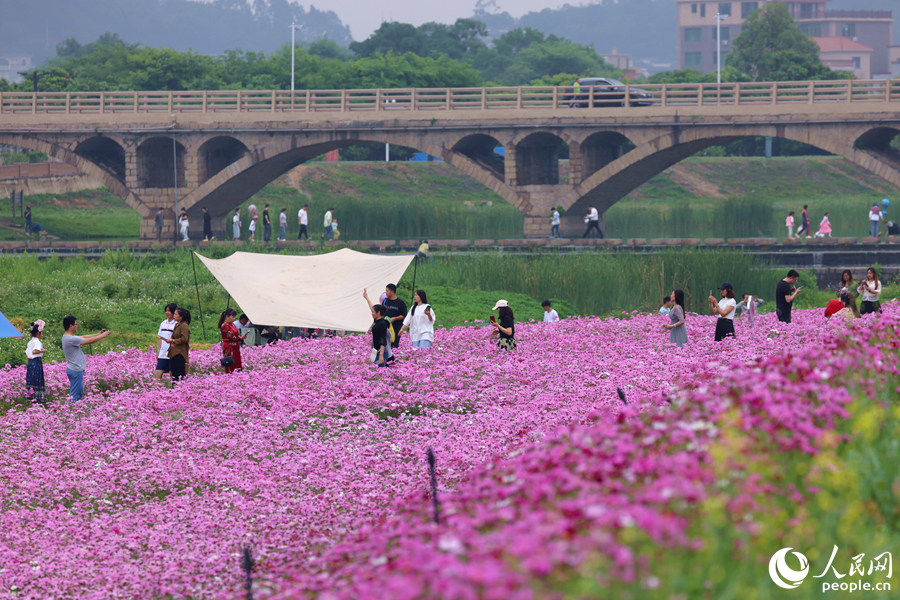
<point x="779" y="571"/>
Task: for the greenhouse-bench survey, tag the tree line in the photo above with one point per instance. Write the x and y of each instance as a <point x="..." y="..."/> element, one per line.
<point x="770" y="48"/>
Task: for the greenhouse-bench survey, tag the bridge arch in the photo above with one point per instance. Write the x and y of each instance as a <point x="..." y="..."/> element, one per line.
<point x="106" y="153"/>
<point x="216" y="153"/>
<point x="264" y="163"/>
<point x="537" y="158"/>
<point x="618" y="178"/>
<point x="158" y="163"/>
<point x="479" y="148"/>
<point x="601" y="148"/>
<point x="81" y="163"/>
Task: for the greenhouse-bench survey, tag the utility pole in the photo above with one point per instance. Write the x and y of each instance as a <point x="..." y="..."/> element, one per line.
<point x="719" y="18"/>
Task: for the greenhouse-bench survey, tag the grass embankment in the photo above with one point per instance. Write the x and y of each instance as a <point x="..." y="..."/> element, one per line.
<point x="700" y="197"/>
<point x="749" y="197"/>
<point x="126" y="294"/>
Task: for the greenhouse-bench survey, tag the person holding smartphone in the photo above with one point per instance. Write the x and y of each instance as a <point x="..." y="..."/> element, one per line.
<point x="785" y="292"/>
<point x="725" y="311"/>
<point x="420" y="322"/>
<point x="870" y="288"/>
<point x="75" y="359"/>
<point x="506" y="326"/>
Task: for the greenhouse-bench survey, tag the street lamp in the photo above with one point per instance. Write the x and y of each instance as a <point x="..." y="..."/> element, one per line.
<point x="719" y="18"/>
<point x="294" y="27"/>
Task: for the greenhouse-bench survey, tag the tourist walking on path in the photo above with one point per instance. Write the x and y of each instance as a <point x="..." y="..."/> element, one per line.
<point x="506" y="326"/>
<point x="253" y="220"/>
<point x="846" y="285"/>
<point x="236" y="224"/>
<point x="303" y="221"/>
<point x="420" y="322"/>
<point x="554" y="225"/>
<point x="34" y="372"/>
<point x="870" y="289"/>
<point x="381" y="333"/>
<point x="165" y="330"/>
<point x="804" y="222"/>
<point x="676" y="326"/>
<point x="75" y="360"/>
<point x="179" y="344"/>
<point x="267" y="225"/>
<point x="282" y="223"/>
<point x="725" y="311"/>
<point x="184" y="227"/>
<point x="824" y="227"/>
<point x="396" y="312"/>
<point x="158" y="220"/>
<point x="231" y="339"/>
<point x="789" y="223"/>
<point x="207" y="225"/>
<point x="785" y="292"/>
<point x="874" y="217"/>
<point x="329" y="217"/>
<point x="593" y="222"/>
<point x="27" y="220"/>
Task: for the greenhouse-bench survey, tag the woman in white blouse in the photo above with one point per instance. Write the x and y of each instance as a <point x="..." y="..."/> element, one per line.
<point x="725" y="310"/>
<point x="870" y="289"/>
<point x="420" y="321"/>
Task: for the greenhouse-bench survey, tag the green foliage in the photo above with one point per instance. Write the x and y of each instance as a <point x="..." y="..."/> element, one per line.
<point x="771" y="47"/>
<point x="38" y="157"/>
<point x="11" y="158"/>
<point x="729" y="75"/>
<point x="126" y="293"/>
<point x="455" y="41"/>
<point x="604" y="283"/>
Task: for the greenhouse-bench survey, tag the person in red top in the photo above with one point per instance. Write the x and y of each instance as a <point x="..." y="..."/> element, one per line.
<point x="231" y="339"/>
<point x="834" y="307"/>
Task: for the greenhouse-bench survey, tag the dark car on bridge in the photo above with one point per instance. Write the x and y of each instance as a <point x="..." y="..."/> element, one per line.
<point x="607" y="92"/>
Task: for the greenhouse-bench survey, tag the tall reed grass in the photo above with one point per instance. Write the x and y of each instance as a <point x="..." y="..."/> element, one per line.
<point x="397" y="216"/>
<point x="606" y="283"/>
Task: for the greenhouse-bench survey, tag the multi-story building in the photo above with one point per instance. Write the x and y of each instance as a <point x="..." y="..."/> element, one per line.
<point x="12" y="63"/>
<point x="697" y="44"/>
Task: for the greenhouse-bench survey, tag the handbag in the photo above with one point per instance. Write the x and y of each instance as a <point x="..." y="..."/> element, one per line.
<point x="226" y="361"/>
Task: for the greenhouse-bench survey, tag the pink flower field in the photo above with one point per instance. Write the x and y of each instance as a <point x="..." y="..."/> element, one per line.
<point x="315" y="460"/>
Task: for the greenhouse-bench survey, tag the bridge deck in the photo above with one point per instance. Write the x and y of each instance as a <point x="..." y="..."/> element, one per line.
<point x="640" y="103"/>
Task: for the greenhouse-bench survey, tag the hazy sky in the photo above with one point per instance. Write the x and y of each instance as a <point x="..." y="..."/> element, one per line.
<point x="365" y="16"/>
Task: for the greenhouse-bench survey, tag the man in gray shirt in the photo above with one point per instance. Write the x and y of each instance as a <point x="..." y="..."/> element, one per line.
<point x="75" y="361"/>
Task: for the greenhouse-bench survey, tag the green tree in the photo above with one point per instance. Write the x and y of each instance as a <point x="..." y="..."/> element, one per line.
<point x="771" y="47"/>
<point x="729" y="75"/>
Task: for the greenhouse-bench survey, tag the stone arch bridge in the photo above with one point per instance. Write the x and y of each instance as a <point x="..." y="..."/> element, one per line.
<point x="222" y="147"/>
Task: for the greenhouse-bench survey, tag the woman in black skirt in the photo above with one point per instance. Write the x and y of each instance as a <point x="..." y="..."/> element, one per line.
<point x="725" y="310"/>
<point x="34" y="373"/>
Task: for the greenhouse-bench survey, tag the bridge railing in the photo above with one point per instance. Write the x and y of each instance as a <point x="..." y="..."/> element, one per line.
<point x="449" y="99"/>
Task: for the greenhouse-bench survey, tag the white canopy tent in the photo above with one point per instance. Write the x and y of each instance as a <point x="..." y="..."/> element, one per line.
<point x="324" y="290"/>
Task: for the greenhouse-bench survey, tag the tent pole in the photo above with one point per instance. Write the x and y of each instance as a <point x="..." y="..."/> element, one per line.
<point x="412" y="300"/>
<point x="197" y="287"/>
